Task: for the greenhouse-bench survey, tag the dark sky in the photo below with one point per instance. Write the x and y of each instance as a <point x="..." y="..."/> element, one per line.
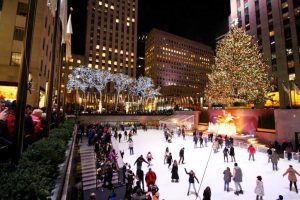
<point x="199" y="20"/>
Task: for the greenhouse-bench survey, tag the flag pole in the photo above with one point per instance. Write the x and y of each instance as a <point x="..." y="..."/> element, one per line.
<point x="52" y="69"/>
<point x="22" y="82"/>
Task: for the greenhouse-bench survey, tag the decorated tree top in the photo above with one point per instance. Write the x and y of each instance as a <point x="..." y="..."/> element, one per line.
<point x="239" y="73"/>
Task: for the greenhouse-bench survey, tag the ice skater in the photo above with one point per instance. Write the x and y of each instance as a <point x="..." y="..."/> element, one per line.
<point x="237" y="178"/>
<point x="166" y="155"/>
<point x="251" y="151"/>
<point x="139" y="161"/>
<point x="259" y="189"/>
<point x="195" y="139"/>
<point x="192" y="178"/>
<point x="292" y="177"/>
<point x="169" y="160"/>
<point x="225" y="153"/>
<point x="227" y="178"/>
<point x="232" y="154"/>
<point x="130" y="144"/>
<point x="174" y="171"/>
<point x="149" y="158"/>
<point x="181" y="156"/>
<point x="274" y="159"/>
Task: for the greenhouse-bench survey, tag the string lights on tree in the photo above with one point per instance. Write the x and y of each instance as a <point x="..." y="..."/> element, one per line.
<point x="239" y="73"/>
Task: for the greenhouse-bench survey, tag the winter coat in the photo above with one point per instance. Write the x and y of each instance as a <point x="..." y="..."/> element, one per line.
<point x="231" y="151"/>
<point x="225" y="151"/>
<point x="251" y="149"/>
<point x="169" y="159"/>
<point x="237" y="174"/>
<point x="174" y="172"/>
<point x="227" y="175"/>
<point x="150" y="177"/>
<point x="192" y="177"/>
<point x="292" y="174"/>
<point x="259" y="189"/>
<point x="215" y="145"/>
<point x="206" y="194"/>
<point x="181" y="153"/>
<point x="274" y="157"/>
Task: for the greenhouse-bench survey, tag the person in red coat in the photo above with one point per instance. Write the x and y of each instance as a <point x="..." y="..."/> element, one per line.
<point x="150" y="177"/>
<point x="251" y="151"/>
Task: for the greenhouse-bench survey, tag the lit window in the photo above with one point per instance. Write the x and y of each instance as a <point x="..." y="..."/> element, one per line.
<point x="128" y="18"/>
<point x="115" y="63"/>
<point x="109" y="62"/>
<point x="78" y="61"/>
<point x="103" y="48"/>
<point x="100" y="3"/>
<point x="271" y="33"/>
<point x="133" y="20"/>
<point x="103" y="54"/>
<point x="121" y="52"/>
<point x="97" y="46"/>
<point x="70" y="67"/>
<point x="117" y="20"/>
<point x="112" y="7"/>
<point x="15" y="59"/>
<point x="109" y="68"/>
<point x="103" y="67"/>
<point x="90" y="65"/>
<point x="96" y="66"/>
<point x="116" y="50"/>
<point x="109" y="49"/>
<point x="292" y="77"/>
<point x="128" y="24"/>
<point x="106" y="5"/>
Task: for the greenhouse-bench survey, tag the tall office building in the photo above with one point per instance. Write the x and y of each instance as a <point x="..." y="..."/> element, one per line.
<point x="140" y="70"/>
<point x="179" y="66"/>
<point x="276" y="26"/>
<point x="13" y="15"/>
<point x="111" y="38"/>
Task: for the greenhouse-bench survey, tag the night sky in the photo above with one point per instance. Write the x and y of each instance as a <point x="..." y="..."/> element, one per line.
<point x="199" y="20"/>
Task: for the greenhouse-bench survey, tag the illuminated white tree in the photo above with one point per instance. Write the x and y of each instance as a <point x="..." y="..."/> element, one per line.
<point x="121" y="83"/>
<point x="100" y="80"/>
<point x="141" y="87"/>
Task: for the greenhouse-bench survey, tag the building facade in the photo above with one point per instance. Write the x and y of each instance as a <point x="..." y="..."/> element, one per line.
<point x="140" y="70"/>
<point x="179" y="66"/>
<point x="276" y="26"/>
<point x="111" y="37"/>
<point x="13" y="15"/>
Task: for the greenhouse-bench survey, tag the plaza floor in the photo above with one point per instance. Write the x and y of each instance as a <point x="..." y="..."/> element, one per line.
<point x="196" y="159"/>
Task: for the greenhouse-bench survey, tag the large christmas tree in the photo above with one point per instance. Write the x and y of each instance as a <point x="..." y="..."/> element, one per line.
<point x="239" y="73"/>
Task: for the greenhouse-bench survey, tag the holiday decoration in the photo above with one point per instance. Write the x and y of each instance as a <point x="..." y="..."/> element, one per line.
<point x="239" y="73"/>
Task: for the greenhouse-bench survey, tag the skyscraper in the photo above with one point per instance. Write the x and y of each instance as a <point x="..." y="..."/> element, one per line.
<point x="13" y="15"/>
<point x="111" y="37"/>
<point x="179" y="66"/>
<point x="276" y="26"/>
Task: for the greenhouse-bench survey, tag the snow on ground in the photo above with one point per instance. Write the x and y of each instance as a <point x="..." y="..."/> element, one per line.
<point x="196" y="159"/>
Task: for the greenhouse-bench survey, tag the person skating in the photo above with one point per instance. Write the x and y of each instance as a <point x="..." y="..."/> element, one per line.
<point x="259" y="189"/>
<point x="227" y="178"/>
<point x="201" y="141"/>
<point x="181" y="156"/>
<point x="140" y="175"/>
<point x="120" y="136"/>
<point x="169" y="160"/>
<point x="125" y="135"/>
<point x="269" y="152"/>
<point x="150" y="178"/>
<point x="232" y="154"/>
<point x="205" y="140"/>
<point x="251" y="151"/>
<point x="280" y="197"/>
<point x="195" y="139"/>
<point x="139" y="161"/>
<point x="149" y="158"/>
<point x="192" y="178"/>
<point x="292" y="177"/>
<point x="166" y="155"/>
<point x="215" y="145"/>
<point x="130" y="144"/>
<point x="225" y="153"/>
<point x="174" y="172"/>
<point x="207" y="193"/>
<point x="237" y="178"/>
<point x="274" y="159"/>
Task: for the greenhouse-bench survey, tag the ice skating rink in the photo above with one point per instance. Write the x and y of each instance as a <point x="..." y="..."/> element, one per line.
<point x="196" y="159"/>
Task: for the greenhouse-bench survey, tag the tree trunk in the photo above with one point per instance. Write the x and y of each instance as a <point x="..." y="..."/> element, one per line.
<point x="100" y="103"/>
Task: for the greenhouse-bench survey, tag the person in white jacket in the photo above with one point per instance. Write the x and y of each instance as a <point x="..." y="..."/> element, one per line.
<point x="259" y="189"/>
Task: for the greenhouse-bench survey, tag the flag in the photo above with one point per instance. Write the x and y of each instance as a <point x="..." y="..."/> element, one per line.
<point x="68" y="39"/>
<point x="63" y="16"/>
<point x="296" y="88"/>
<point x="52" y="5"/>
<point x="285" y="89"/>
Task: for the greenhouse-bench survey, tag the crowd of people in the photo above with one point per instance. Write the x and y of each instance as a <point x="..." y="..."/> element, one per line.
<point x="142" y="186"/>
<point x="34" y="125"/>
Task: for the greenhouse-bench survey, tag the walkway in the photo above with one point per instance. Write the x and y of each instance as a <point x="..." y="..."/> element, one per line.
<point x="88" y="166"/>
